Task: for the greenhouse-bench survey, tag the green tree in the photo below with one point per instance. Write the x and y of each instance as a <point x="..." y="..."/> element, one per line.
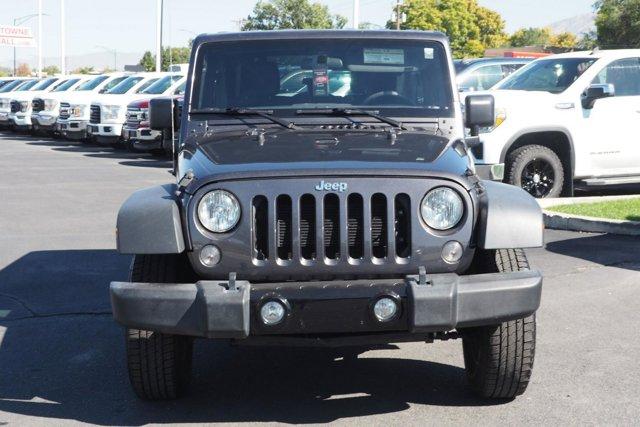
<point x="471" y="28"/>
<point x="51" y="70"/>
<point x="618" y="23"/>
<point x="5" y="72"/>
<point x="531" y="37"/>
<point x="83" y="70"/>
<point x="588" y="41"/>
<point x="565" y="40"/>
<point x="148" y="61"/>
<point x="170" y="55"/>
<point x="291" y="14"/>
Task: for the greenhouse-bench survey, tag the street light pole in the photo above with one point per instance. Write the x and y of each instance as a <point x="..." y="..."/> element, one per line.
<point x="21" y="20"/>
<point x="159" y="35"/>
<point x="39" y="39"/>
<point x="63" y="65"/>
<point x="356" y="14"/>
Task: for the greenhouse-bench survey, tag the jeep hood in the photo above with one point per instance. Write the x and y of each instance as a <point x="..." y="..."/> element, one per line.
<point x="304" y="152"/>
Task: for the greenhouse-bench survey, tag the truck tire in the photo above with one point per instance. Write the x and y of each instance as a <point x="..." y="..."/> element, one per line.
<point x="499" y="358"/>
<point x="536" y="169"/>
<point x="159" y="364"/>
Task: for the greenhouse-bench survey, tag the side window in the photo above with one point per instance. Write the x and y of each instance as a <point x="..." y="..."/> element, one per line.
<point x="484" y="78"/>
<point x="623" y="74"/>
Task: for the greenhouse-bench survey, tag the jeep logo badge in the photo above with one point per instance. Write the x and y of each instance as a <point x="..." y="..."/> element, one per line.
<point x="331" y="186"/>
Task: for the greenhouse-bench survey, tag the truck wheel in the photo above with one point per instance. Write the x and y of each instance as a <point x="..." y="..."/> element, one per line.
<point x="498" y="359"/>
<point x="536" y="169"/>
<point x="159" y="364"/>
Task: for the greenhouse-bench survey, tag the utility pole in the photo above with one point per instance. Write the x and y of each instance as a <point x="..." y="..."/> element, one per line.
<point x="14" y="51"/>
<point x="397" y="14"/>
<point x="356" y="14"/>
<point x="39" y="39"/>
<point x="158" y="35"/>
<point x="63" y="63"/>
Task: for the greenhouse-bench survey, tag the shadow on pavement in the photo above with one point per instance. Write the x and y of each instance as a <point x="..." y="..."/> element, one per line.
<point x="62" y="357"/>
<point x="605" y="249"/>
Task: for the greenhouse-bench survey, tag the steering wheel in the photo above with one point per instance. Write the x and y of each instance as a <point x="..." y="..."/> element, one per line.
<point x="387" y="97"/>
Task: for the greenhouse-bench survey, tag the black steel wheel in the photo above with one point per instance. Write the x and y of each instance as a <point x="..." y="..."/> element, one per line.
<point x="537" y="170"/>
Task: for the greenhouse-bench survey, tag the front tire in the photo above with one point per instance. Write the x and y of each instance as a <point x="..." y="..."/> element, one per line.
<point x="537" y="170"/>
<point x="499" y="358"/>
<point x="159" y="364"/>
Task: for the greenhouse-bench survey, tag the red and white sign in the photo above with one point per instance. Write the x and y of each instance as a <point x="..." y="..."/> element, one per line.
<point x="16" y="36"/>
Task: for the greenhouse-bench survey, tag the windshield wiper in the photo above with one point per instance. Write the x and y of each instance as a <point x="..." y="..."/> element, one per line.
<point x="236" y="111"/>
<point x="354" y="112"/>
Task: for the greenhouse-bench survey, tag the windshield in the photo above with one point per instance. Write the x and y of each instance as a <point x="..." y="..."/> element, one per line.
<point x="92" y="84"/>
<point x="401" y="77"/>
<point x="26" y="85"/>
<point x="65" y="85"/>
<point x="180" y="89"/>
<point x="125" y="85"/>
<point x="11" y="85"/>
<point x="146" y="84"/>
<point x="43" y="84"/>
<point x="162" y="85"/>
<point x="547" y="75"/>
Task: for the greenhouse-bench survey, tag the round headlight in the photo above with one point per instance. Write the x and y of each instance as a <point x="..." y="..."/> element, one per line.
<point x="219" y="211"/>
<point x="442" y="208"/>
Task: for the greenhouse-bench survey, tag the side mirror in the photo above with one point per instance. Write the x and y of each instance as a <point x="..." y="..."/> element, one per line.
<point x="595" y="92"/>
<point x="160" y="113"/>
<point x="479" y="112"/>
<point x="102" y="90"/>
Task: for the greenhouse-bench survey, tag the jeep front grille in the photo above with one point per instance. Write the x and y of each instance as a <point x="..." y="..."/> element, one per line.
<point x="64" y="110"/>
<point x="15" y="106"/>
<point x="331" y="228"/>
<point x="94" y="116"/>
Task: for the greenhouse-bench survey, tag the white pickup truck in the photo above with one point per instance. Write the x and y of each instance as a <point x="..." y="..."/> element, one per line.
<point x="108" y="111"/>
<point x="73" y="114"/>
<point x="567" y="118"/>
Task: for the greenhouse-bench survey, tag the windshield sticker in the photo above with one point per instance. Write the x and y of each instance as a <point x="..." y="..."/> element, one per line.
<point x="320" y="82"/>
<point x="428" y="53"/>
<point x="384" y="56"/>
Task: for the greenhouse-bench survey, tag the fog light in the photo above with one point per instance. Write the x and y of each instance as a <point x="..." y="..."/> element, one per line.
<point x="210" y="255"/>
<point x="385" y="309"/>
<point x="272" y="312"/>
<point x="452" y="252"/>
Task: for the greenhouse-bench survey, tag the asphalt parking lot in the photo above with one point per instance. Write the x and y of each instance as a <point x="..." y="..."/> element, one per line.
<point x="62" y="356"/>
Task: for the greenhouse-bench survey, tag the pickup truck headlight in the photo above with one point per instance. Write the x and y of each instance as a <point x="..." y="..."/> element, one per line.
<point x="78" y="110"/>
<point x="442" y="208"/>
<point x="24" y="106"/>
<point x="501" y="116"/>
<point x="219" y="211"/>
<point x="50" y="104"/>
<point x="110" y="112"/>
<point x="5" y="103"/>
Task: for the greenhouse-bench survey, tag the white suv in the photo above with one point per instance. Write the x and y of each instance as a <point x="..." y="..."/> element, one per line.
<point x="565" y="118"/>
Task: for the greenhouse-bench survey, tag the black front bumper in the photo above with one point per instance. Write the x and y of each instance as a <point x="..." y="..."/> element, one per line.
<point x="444" y="303"/>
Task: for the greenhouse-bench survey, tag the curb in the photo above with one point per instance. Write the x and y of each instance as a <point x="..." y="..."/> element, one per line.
<point x="557" y="221"/>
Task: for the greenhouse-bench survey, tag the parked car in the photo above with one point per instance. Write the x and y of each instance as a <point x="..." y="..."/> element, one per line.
<point x="565" y="118"/>
<point x="45" y="108"/>
<point x="483" y="73"/>
<point x="317" y="219"/>
<point x="137" y="131"/>
<point x="20" y="115"/>
<point x="107" y="111"/>
<point x="5" y="98"/>
<point x="74" y="106"/>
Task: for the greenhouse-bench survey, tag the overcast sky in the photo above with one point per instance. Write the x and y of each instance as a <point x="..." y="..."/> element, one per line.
<point x="129" y="25"/>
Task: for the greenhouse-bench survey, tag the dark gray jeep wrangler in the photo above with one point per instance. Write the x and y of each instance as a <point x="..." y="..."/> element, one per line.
<point x="325" y="195"/>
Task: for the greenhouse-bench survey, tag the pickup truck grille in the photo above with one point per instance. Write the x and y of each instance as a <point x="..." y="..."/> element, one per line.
<point x="325" y="226"/>
<point x="37" y="105"/>
<point x="94" y="116"/>
<point x="15" y="106"/>
<point x="134" y="117"/>
<point x="64" y="110"/>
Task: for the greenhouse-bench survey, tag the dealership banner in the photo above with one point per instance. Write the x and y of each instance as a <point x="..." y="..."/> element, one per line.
<point x="16" y="36"/>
